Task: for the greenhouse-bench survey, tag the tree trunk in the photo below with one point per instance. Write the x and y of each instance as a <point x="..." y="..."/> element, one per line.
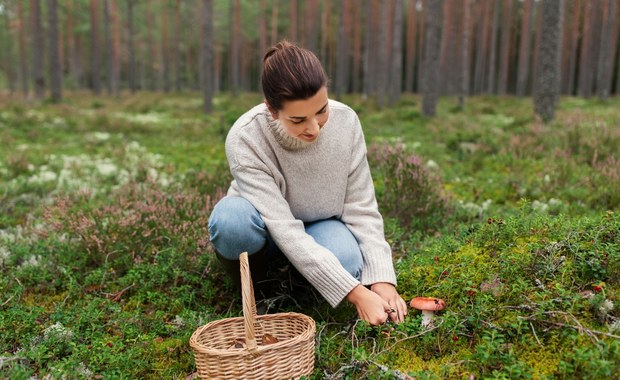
<point x="235" y="46"/>
<point x="151" y="63"/>
<point x="504" y="59"/>
<point x="262" y="35"/>
<point x="55" y="65"/>
<point x="430" y="90"/>
<point x="465" y="59"/>
<point x="421" y="46"/>
<point x="7" y="61"/>
<point x="23" y="55"/>
<point x="357" y="50"/>
<point x="38" y="49"/>
<point x="207" y="56"/>
<point x="131" y="69"/>
<point x="481" y="47"/>
<point x="607" y="52"/>
<point x="292" y="34"/>
<point x="94" y="45"/>
<point x="548" y="74"/>
<point x="176" y="49"/>
<point x="572" y="47"/>
<point x="524" y="49"/>
<point x="585" y="53"/>
<point x="342" y="50"/>
<point x="369" y="55"/>
<point x="446" y="42"/>
<point x="492" y="59"/>
<point x="382" y="52"/>
<point x="311" y="21"/>
<point x="165" y="54"/>
<point x="410" y="47"/>
<point x="116" y="47"/>
<point x="274" y="23"/>
<point x="397" y="54"/>
<point x="107" y="37"/>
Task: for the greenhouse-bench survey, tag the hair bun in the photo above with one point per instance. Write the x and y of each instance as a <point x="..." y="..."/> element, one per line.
<point x="282" y="45"/>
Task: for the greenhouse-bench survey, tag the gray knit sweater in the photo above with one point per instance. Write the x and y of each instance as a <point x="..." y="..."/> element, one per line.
<point x="290" y="182"/>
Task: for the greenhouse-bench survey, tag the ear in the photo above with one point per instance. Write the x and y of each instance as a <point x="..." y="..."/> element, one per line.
<point x="272" y="111"/>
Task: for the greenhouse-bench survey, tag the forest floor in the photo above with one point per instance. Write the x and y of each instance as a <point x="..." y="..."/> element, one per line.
<point x="106" y="270"/>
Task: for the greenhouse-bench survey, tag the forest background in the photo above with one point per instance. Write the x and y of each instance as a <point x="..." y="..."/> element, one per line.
<point x="493" y="132"/>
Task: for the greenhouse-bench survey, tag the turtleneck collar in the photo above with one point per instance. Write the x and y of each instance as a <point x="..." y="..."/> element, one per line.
<point x="283" y="138"/>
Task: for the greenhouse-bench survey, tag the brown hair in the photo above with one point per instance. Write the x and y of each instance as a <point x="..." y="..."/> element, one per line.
<point x="290" y="73"/>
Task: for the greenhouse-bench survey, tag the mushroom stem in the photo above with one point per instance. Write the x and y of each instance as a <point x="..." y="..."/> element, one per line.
<point x="427" y="318"/>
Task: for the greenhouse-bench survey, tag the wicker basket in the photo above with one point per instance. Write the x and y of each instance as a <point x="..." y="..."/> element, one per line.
<point x="292" y="356"/>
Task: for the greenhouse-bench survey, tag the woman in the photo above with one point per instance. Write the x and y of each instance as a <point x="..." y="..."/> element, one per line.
<point x="302" y="181"/>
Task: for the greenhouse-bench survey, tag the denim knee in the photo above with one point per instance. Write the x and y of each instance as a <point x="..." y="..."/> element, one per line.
<point x="335" y="236"/>
<point x="235" y="226"/>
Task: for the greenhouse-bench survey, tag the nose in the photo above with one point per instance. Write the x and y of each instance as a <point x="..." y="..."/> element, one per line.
<point x="314" y="126"/>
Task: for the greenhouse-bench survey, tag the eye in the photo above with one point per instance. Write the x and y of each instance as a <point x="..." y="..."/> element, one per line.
<point x="323" y="110"/>
<point x="298" y="122"/>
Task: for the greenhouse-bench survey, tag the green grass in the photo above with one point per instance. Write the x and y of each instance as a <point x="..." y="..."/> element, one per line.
<point x="107" y="271"/>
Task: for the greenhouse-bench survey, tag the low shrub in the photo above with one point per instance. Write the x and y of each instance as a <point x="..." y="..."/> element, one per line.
<point x="408" y="189"/>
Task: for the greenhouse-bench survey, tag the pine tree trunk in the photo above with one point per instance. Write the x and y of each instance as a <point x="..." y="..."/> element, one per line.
<point x="446" y="42"/>
<point x="7" y="60"/>
<point x="262" y="35"/>
<point x="421" y="48"/>
<point x="55" y="65"/>
<point x="382" y="56"/>
<point x="23" y="55"/>
<point x="107" y="44"/>
<point x="176" y="49"/>
<point x="585" y="54"/>
<point x="430" y="91"/>
<point x="548" y="74"/>
<point x="94" y="44"/>
<point x="165" y="54"/>
<point x="572" y="46"/>
<point x="357" y="50"/>
<point x="410" y="47"/>
<point x="116" y="48"/>
<point x="524" y="49"/>
<point x="208" y="86"/>
<point x="274" y="24"/>
<point x="397" y="54"/>
<point x="369" y="46"/>
<point x="131" y="69"/>
<point x="465" y="59"/>
<point x="492" y="59"/>
<point x="606" y="56"/>
<point x="504" y="59"/>
<point x="38" y="49"/>
<point x="342" y="50"/>
<point x="481" y="47"/>
<point x="292" y="34"/>
<point x="311" y="23"/>
<point x="235" y="46"/>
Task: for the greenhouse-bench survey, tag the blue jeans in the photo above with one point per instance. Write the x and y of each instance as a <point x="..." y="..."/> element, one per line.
<point x="236" y="226"/>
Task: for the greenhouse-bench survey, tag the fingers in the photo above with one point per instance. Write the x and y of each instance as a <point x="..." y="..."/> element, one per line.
<point x="397" y="310"/>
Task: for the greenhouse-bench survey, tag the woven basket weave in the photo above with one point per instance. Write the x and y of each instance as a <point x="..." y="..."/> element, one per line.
<point x="292" y="356"/>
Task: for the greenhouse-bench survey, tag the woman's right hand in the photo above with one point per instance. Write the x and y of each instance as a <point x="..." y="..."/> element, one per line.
<point x="370" y="306"/>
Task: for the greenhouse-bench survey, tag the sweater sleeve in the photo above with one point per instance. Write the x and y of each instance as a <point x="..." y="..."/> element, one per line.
<point x="362" y="217"/>
<point x="317" y="264"/>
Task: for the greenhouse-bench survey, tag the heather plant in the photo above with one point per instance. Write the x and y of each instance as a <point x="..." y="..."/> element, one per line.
<point x="409" y="190"/>
<point x="138" y="222"/>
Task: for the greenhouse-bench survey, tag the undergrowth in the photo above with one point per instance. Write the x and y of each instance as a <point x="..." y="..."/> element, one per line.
<point x="107" y="271"/>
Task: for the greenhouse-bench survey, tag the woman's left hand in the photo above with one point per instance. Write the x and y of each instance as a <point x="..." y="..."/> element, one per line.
<point x="388" y="293"/>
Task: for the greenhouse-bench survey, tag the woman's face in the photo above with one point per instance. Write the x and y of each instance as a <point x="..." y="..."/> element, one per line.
<point x="303" y="119"/>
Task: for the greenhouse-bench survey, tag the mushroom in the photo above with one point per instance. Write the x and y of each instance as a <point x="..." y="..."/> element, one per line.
<point x="238" y="343"/>
<point x="268" y="339"/>
<point x="428" y="306"/>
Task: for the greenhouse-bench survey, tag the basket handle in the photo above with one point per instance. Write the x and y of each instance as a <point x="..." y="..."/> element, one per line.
<point x="249" y="303"/>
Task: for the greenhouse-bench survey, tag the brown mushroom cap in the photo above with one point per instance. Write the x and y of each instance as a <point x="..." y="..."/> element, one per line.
<point x="428" y="303"/>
